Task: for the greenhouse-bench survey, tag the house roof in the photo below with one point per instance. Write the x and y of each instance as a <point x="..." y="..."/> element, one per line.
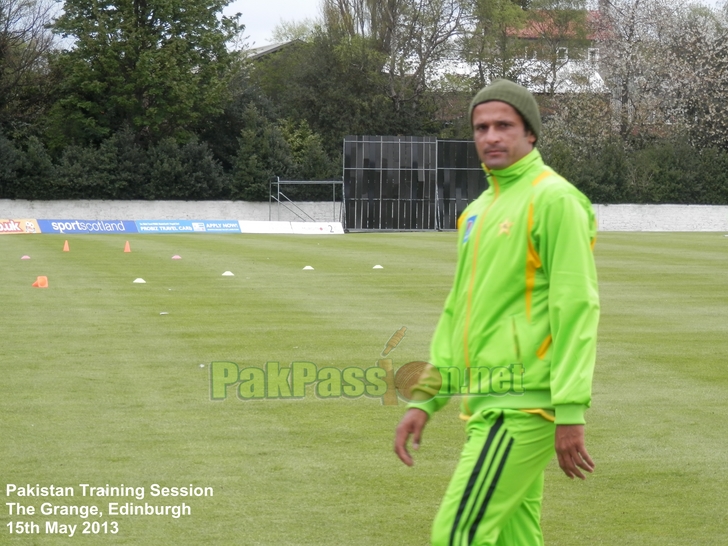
<point x="543" y="25"/>
<point x="572" y="77"/>
<point x="258" y="52"/>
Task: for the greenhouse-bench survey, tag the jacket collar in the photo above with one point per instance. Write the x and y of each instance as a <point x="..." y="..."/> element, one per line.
<point x="503" y="178"/>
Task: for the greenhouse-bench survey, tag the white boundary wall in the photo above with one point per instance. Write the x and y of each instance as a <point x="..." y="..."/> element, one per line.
<point x="609" y="217"/>
<point x="661" y="217"/>
<point x="324" y="211"/>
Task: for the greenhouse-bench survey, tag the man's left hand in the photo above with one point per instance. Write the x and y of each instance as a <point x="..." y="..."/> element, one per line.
<point x="572" y="452"/>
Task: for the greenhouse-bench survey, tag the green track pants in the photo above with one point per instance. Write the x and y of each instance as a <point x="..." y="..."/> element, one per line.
<point x="494" y="497"/>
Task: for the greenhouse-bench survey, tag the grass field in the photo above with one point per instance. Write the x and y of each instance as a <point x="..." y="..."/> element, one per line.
<point x="98" y="387"/>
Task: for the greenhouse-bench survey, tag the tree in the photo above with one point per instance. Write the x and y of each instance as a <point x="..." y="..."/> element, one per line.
<point x="263" y="154"/>
<point x="31" y="171"/>
<point x="414" y="37"/>
<point x="160" y="67"/>
<point x="560" y="29"/>
<point x="334" y="83"/>
<point x="637" y="64"/>
<point x="224" y="128"/>
<point x="489" y="42"/>
<point x="287" y="31"/>
<point x="699" y="54"/>
<point x="578" y="142"/>
<point x="9" y="158"/>
<point x="187" y="171"/>
<point x="307" y="152"/>
<point x="25" y="42"/>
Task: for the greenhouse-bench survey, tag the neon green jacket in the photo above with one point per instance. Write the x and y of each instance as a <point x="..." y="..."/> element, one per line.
<point x="520" y="323"/>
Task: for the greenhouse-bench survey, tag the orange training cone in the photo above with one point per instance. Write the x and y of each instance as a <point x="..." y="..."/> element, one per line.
<point x="41" y="282"/>
<point x="127" y="248"/>
<point x="65" y="247"/>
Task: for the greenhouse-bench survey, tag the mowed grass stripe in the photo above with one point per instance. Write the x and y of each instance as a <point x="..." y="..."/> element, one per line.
<point x="657" y="425"/>
<point x="159" y="426"/>
<point x="99" y="388"/>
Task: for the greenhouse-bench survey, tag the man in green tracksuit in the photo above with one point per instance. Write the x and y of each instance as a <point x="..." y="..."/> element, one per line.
<point x="516" y="340"/>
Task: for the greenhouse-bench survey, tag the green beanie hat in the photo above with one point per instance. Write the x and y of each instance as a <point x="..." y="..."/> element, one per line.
<point x="517" y="96"/>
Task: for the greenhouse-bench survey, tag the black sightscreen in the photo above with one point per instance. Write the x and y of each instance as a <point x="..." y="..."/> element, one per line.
<point x="408" y="183"/>
<point x="390" y="182"/>
<point x="460" y="179"/>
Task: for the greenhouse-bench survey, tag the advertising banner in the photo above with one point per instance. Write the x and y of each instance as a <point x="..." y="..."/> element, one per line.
<point x="16" y="226"/>
<point x="87" y="226"/>
<point x="259" y="226"/>
<point x="13" y="226"/>
<point x="298" y="228"/>
<point x="188" y="226"/>
<point x="317" y="228"/>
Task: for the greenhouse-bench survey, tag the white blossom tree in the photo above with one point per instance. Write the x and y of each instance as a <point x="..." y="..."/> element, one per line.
<point x="637" y="64"/>
<point x="699" y="50"/>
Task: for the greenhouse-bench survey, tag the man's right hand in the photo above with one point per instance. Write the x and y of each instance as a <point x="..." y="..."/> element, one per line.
<point x="412" y="424"/>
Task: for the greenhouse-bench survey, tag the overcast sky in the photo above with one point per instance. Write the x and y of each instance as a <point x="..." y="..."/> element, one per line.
<point x="260" y="17"/>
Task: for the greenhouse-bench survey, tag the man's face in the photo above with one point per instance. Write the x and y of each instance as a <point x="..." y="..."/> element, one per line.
<point x="500" y="134"/>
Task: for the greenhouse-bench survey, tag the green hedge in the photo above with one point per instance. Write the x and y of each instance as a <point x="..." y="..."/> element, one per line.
<point x="118" y="169"/>
<point x="659" y="171"/>
<point x="662" y="171"/>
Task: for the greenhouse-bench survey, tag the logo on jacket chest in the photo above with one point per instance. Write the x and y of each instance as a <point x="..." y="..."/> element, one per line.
<point x="504" y="228"/>
<point x="469" y="224"/>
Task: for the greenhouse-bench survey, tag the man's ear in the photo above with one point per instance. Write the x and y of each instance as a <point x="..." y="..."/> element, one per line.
<point x="531" y="137"/>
